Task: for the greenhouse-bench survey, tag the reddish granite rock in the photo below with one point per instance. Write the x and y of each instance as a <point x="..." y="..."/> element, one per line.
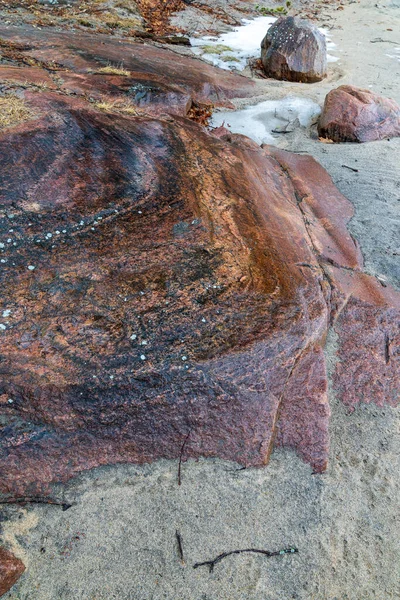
<point x="364" y="312"/>
<point x="294" y="50"/>
<point x="159" y="81"/>
<point x="32" y="75"/>
<point x="162" y="285"/>
<point x="352" y="114"/>
<point x="11" y="569"/>
<point x="165" y="297"/>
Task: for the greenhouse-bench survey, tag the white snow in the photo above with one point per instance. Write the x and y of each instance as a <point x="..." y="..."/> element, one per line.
<point x="396" y="54"/>
<point x="259" y="121"/>
<point x="234" y="48"/>
<point x="242" y="43"/>
<point x="330" y="46"/>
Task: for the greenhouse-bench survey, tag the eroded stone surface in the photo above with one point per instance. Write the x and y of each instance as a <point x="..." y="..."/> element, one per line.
<point x="352" y="114"/>
<point x="167" y="292"/>
<point x="157" y="80"/>
<point x="294" y="50"/>
<point x="11" y="569"/>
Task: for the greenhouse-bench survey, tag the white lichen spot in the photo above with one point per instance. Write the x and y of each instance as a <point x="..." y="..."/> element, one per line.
<point x="142" y="357"/>
<point x="133" y="336"/>
<point x="6" y="313"/>
<point x="144" y="343"/>
<point x="2" y="245"/>
<point x="31" y="267"/>
<point x="184" y="357"/>
<point x="2" y="327"/>
<point x="111" y="376"/>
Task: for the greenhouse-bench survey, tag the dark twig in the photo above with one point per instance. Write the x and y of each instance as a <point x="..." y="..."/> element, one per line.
<point x="387" y="349"/>
<point x="181" y="457"/>
<point x="351" y="168"/>
<point x="28" y="500"/>
<point x="211" y="563"/>
<point x="381" y="41"/>
<point x="180" y="547"/>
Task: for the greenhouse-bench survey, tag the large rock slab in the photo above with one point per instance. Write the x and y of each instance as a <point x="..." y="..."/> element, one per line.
<point x="167" y="292"/>
<point x="156" y="80"/>
<point x="351" y="114"/>
<point x="294" y="50"/>
<point x="11" y="569"/>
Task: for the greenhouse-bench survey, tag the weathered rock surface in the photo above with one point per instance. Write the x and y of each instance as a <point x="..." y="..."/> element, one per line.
<point x="156" y="80"/>
<point x="166" y="292"/>
<point x="294" y="50"/>
<point x="11" y="569"/>
<point x="351" y="114"/>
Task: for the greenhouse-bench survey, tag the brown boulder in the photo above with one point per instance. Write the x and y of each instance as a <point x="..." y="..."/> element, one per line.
<point x="352" y="114"/>
<point x="294" y="50"/>
<point x="11" y="569"/>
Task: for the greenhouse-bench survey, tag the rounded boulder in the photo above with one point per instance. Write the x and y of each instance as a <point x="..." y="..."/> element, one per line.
<point x="294" y="50"/>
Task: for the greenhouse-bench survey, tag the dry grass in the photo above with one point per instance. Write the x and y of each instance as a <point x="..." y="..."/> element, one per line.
<point x="13" y="111"/>
<point x="116" y="22"/>
<point x="110" y="70"/>
<point x="117" y="106"/>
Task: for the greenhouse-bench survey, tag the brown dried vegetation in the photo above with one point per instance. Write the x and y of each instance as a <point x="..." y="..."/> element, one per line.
<point x="13" y="110"/>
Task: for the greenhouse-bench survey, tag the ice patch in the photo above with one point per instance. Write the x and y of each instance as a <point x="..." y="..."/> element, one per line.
<point x="259" y="122"/>
<point x="330" y="46"/>
<point x="396" y="54"/>
<point x="232" y="50"/>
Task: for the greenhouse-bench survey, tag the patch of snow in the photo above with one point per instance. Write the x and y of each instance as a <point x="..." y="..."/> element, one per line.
<point x="396" y="54"/>
<point x="233" y="49"/>
<point x="242" y="43"/>
<point x="260" y="121"/>
<point x="330" y="46"/>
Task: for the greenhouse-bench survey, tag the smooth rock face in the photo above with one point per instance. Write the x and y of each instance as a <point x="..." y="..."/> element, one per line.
<point x="11" y="569"/>
<point x="157" y="80"/>
<point x="352" y="114"/>
<point x="294" y="50"/>
<point x="167" y="292"/>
